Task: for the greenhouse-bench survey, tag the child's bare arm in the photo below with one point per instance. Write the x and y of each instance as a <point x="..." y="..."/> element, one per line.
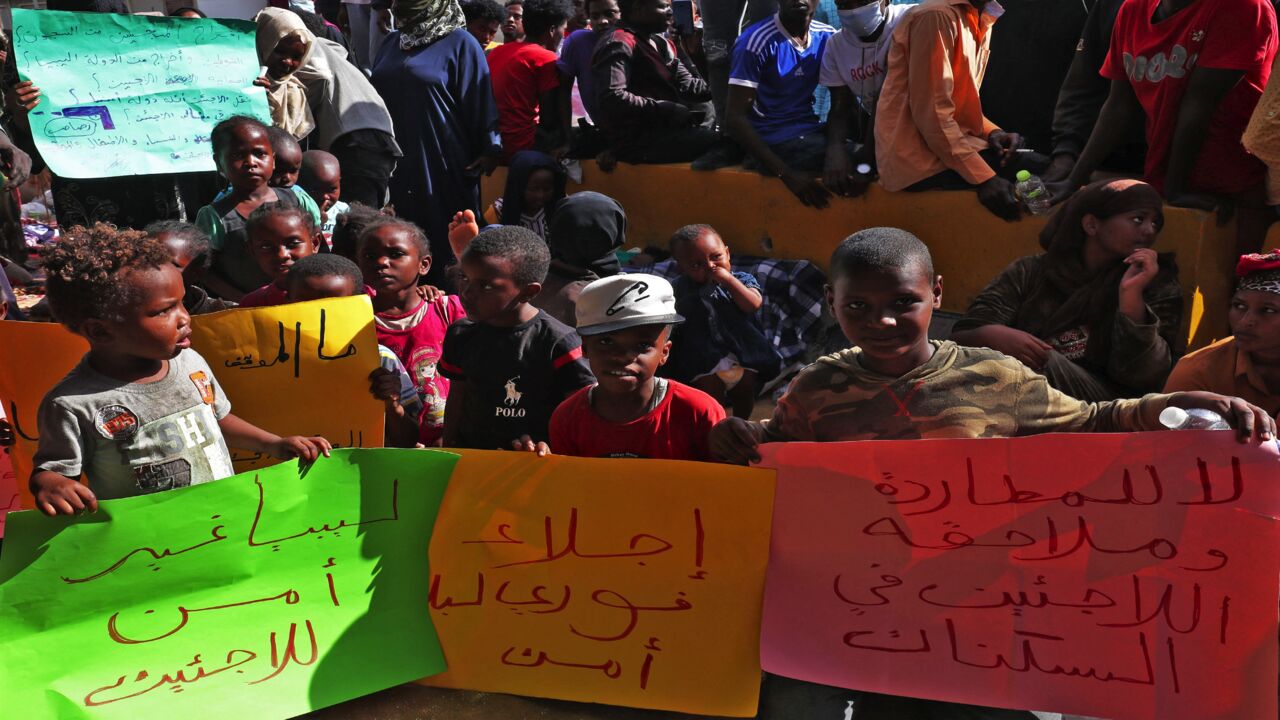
<point x="57" y="494"/>
<point x="1250" y="421"/>
<point x="1205" y="91"/>
<point x="747" y="299"/>
<point x="401" y="427"/>
<point x="454" y="410"/>
<point x="247" y="436"/>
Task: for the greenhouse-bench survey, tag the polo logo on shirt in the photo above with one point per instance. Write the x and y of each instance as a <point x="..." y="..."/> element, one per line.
<point x="631" y="295"/>
<point x="1158" y="67"/>
<point x="1197" y="36"/>
<point x="116" y="422"/>
<point x="509" y="408"/>
<point x="203" y="386"/>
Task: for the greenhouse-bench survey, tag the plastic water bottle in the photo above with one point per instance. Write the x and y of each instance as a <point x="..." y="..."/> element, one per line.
<point x="1176" y="418"/>
<point x="1033" y="194"/>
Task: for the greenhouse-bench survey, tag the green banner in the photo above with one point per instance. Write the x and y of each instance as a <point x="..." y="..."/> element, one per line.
<point x="264" y="595"/>
<point x="134" y="94"/>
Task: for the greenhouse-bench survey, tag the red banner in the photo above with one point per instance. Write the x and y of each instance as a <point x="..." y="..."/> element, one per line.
<point x="1124" y="576"/>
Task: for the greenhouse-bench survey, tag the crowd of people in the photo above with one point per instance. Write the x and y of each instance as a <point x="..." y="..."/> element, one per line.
<point x="524" y="324"/>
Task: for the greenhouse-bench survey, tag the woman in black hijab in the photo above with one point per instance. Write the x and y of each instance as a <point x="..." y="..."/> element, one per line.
<point x="585" y="230"/>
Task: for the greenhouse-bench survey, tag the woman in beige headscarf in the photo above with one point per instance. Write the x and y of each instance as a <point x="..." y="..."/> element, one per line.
<point x="284" y="44"/>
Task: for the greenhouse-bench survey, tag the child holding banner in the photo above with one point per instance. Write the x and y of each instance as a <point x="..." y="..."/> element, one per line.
<point x="278" y="237"/>
<point x="896" y="384"/>
<point x="411" y="321"/>
<point x="142" y="412"/>
<point x="625" y="322"/>
<point x="242" y="151"/>
<point x="510" y="363"/>
<point x="327" y="276"/>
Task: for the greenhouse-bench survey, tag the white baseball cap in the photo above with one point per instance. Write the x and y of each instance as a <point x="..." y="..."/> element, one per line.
<point x="623" y="301"/>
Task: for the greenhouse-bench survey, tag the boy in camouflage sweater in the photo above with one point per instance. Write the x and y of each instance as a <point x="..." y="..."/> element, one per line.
<point x="896" y="384"/>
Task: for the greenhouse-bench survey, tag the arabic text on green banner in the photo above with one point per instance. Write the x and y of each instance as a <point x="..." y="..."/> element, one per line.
<point x="264" y="595"/>
<point x="134" y="94"/>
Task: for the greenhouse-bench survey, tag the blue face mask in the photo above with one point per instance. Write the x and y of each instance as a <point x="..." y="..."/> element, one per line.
<point x="864" y="20"/>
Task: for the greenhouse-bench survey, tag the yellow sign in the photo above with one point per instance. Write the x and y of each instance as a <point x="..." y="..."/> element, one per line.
<point x="297" y="369"/>
<point x="627" y="582"/>
<point x="33" y="358"/>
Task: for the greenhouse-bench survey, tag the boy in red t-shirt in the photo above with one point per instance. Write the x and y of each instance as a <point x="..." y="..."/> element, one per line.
<point x="1195" y="69"/>
<point x="525" y="77"/>
<point x="625" y="323"/>
<point x="393" y="255"/>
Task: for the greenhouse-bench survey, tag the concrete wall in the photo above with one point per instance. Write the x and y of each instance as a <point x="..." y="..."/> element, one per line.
<point x="758" y="216"/>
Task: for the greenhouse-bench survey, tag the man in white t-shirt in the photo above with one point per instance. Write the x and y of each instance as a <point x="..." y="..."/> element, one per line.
<point x="853" y="68"/>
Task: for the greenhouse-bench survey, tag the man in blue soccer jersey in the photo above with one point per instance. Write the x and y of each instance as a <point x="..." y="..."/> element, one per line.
<point x="776" y="64"/>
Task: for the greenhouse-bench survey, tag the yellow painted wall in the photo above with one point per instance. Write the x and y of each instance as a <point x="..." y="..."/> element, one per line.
<point x="1273" y="238"/>
<point x="758" y="216"/>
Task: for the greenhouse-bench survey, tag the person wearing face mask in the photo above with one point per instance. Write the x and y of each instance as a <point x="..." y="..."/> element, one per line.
<point x="776" y="64"/>
<point x="853" y="69"/>
<point x="931" y="132"/>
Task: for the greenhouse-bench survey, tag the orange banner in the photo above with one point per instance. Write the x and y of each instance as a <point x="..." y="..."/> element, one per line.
<point x="9" y="498"/>
<point x="1123" y="576"/>
<point x="627" y="582"/>
<point x="33" y="358"/>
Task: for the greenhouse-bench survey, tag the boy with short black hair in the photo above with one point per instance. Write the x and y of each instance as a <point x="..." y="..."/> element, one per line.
<point x="328" y="276"/>
<point x="721" y="349"/>
<point x="321" y="178"/>
<point x="288" y="157"/>
<point x="896" y="384"/>
<point x="484" y="17"/>
<point x="510" y="363"/>
<point x="142" y="412"/>
<point x="625" y="322"/>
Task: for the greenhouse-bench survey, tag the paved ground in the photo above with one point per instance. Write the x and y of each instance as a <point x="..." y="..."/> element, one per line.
<point x="418" y="702"/>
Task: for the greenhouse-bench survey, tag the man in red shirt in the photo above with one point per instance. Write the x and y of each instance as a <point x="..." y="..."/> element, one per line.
<point x="625" y="323"/>
<point x="525" y="78"/>
<point x="1195" y="69"/>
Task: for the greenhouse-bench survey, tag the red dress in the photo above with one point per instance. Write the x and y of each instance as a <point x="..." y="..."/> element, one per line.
<point x="417" y="338"/>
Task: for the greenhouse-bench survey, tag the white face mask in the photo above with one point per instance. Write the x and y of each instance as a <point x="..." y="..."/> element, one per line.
<point x="862" y="21"/>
